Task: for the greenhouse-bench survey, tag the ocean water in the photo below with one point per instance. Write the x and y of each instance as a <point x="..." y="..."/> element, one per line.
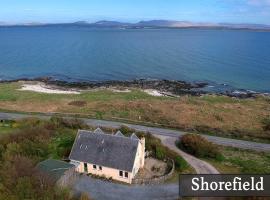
<point x="240" y="59"/>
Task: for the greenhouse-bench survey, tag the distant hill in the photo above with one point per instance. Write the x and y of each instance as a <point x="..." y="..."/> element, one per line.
<point x="171" y="23"/>
<point x="151" y="24"/>
<point x="111" y="24"/>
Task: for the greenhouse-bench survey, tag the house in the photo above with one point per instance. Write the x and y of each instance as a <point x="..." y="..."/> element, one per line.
<point x="111" y="156"/>
<point x="61" y="172"/>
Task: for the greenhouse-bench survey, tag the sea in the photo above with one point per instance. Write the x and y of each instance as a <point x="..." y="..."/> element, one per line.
<point x="237" y="59"/>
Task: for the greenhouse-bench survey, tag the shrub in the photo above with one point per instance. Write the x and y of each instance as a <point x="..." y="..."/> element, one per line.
<point x="266" y="124"/>
<point x="72" y="123"/>
<point x="20" y="152"/>
<point x="199" y="147"/>
<point x="160" y="153"/>
<point x="29" y="122"/>
<point x="126" y="130"/>
<point x="180" y="163"/>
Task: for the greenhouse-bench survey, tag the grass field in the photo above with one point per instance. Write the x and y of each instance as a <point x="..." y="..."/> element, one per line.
<point x="218" y="115"/>
<point x="242" y="161"/>
<point x="6" y="127"/>
<point x="5" y="130"/>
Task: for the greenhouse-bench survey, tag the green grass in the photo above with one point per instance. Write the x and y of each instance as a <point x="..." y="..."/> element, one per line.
<point x="242" y="161"/>
<point x="6" y="130"/>
<point x="10" y="92"/>
<point x="7" y="127"/>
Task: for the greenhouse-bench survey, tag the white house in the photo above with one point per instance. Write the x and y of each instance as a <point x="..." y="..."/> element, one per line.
<point x="112" y="156"/>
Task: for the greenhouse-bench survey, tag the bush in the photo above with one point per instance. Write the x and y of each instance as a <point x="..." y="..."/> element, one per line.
<point x="21" y="151"/>
<point x="72" y="123"/>
<point x="180" y="163"/>
<point x="266" y="124"/>
<point x="160" y="153"/>
<point x="199" y="147"/>
<point x="126" y="130"/>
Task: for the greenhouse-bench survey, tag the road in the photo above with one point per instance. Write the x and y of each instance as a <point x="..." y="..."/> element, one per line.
<point x="156" y="131"/>
<point x="103" y="190"/>
<point x="200" y="166"/>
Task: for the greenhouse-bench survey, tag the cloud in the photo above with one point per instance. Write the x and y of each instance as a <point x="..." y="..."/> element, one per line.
<point x="259" y="2"/>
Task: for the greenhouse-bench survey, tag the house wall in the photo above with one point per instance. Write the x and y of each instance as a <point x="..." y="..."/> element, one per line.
<point x="139" y="159"/>
<point x="106" y="172"/>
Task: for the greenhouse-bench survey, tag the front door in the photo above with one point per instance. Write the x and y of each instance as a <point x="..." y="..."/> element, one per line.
<point x="85" y="167"/>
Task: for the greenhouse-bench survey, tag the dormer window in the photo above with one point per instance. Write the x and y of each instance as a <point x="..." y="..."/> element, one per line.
<point x="94" y="167"/>
<point x="100" y="168"/>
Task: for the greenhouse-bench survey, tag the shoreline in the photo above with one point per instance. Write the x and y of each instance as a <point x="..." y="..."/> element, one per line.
<point x="154" y="87"/>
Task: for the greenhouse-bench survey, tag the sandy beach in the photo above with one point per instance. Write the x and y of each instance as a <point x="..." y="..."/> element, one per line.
<point x="49" y="89"/>
<point x="43" y="88"/>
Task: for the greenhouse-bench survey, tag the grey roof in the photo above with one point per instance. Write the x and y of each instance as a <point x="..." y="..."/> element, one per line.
<point x="134" y="136"/>
<point x="98" y="130"/>
<point x="105" y="150"/>
<point x="55" y="168"/>
<point x="119" y="133"/>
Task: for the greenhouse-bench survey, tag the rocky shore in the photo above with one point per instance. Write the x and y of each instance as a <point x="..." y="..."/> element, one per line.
<point x="164" y="87"/>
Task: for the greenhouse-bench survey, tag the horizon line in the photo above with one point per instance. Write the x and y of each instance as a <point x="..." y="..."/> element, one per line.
<point x="123" y="21"/>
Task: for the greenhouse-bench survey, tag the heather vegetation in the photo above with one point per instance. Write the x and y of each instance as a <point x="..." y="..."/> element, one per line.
<point x="210" y="114"/>
<point x="266" y="123"/>
<point x="32" y="141"/>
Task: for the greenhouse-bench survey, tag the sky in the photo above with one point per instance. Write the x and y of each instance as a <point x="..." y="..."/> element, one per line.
<point x="55" y="11"/>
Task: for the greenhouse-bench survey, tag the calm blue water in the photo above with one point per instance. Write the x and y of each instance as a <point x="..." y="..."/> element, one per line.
<point x="238" y="58"/>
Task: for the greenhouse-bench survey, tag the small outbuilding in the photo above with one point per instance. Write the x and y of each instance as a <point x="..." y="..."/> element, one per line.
<point x="61" y="172"/>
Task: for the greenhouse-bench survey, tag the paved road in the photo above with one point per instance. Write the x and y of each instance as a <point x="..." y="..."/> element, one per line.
<point x="104" y="190"/>
<point x="157" y="131"/>
<point x="200" y="166"/>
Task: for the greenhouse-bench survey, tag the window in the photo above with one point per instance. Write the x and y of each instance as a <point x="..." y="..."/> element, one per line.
<point x="100" y="168"/>
<point x="126" y="174"/>
<point x="85" y="167"/>
<point x="94" y="167"/>
<point x="121" y="173"/>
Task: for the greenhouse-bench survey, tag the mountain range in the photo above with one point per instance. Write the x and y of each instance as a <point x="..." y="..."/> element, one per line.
<point x="150" y="24"/>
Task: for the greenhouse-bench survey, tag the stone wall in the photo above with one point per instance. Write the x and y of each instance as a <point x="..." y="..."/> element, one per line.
<point x="156" y="180"/>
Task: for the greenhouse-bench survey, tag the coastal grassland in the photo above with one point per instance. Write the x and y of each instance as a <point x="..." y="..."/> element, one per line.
<point x="226" y="159"/>
<point x="209" y="114"/>
<point x="242" y="161"/>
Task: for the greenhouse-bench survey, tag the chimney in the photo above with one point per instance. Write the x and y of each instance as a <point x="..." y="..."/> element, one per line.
<point x="142" y="141"/>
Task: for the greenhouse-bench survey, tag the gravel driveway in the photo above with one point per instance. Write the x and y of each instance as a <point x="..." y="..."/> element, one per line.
<point x="104" y="190"/>
<point x="200" y="166"/>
